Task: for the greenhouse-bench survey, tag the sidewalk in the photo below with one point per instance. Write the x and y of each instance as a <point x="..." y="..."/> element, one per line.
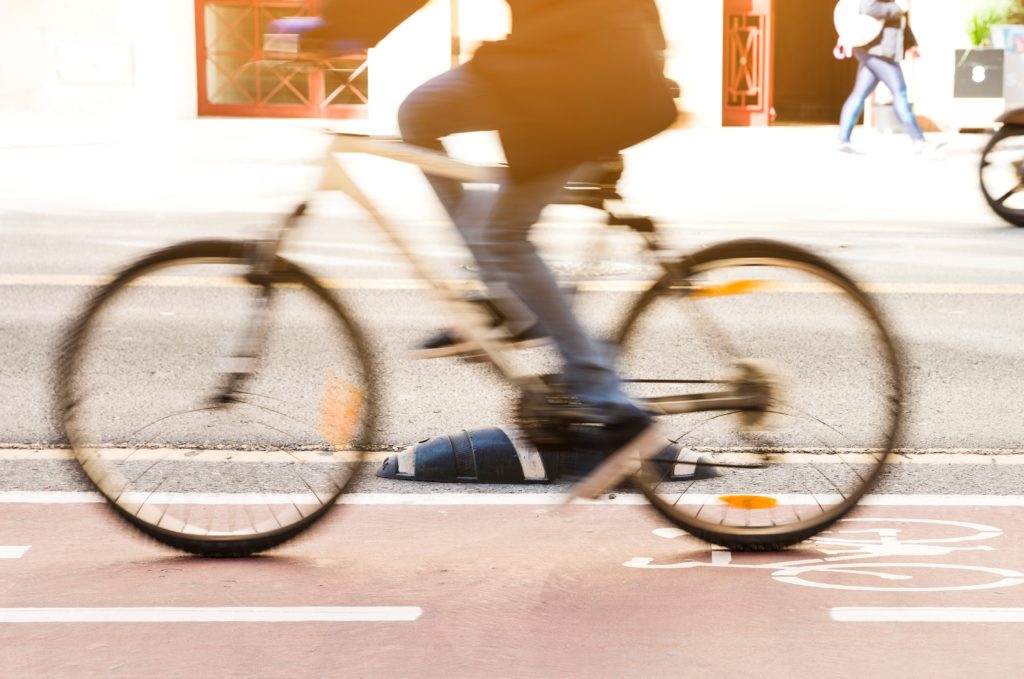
<point x="211" y="165"/>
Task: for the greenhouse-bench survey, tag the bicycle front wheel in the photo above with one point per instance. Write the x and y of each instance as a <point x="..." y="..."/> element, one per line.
<point x="140" y="375"/>
<point x="796" y="383"/>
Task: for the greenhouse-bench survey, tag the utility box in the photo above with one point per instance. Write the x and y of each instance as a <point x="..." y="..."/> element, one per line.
<point x="978" y="74"/>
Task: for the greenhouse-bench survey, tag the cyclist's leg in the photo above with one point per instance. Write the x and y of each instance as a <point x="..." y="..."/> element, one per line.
<point x="447" y="104"/>
<point x="505" y="249"/>
<point x="854" y="106"/>
<point x="497" y="234"/>
<point x="454" y="102"/>
<point x="890" y="73"/>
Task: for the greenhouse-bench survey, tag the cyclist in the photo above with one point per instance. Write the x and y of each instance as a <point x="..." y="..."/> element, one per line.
<point x="573" y="81"/>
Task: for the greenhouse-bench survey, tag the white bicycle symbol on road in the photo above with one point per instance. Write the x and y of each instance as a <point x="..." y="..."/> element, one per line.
<point x="872" y="538"/>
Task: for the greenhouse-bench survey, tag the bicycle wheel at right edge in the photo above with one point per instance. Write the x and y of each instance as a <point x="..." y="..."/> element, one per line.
<point x="139" y="373"/>
<point x="769" y="319"/>
<point x="1000" y="175"/>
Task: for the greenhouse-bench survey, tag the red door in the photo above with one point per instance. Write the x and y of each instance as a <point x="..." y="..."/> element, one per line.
<point x="747" y="67"/>
<point x="235" y="80"/>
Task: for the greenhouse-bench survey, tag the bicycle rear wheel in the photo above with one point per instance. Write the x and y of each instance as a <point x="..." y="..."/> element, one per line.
<point x="768" y="319"/>
<point x="139" y="374"/>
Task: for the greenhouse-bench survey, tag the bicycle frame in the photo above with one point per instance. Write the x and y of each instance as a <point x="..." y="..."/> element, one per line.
<point x="466" y="320"/>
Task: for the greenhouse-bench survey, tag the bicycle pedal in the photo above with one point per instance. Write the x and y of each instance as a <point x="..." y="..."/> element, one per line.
<point x="621" y="464"/>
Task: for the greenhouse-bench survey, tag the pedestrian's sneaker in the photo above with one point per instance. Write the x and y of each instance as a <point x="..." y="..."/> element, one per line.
<point x="928" y="149"/>
<point x="848" y="148"/>
<point x="448" y="343"/>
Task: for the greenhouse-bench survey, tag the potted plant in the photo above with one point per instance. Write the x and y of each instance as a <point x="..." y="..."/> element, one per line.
<point x="979" y="69"/>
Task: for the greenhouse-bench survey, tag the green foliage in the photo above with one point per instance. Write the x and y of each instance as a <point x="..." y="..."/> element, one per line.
<point x="991" y="12"/>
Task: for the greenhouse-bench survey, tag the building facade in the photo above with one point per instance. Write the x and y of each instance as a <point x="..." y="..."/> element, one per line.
<point x="740" y="62"/>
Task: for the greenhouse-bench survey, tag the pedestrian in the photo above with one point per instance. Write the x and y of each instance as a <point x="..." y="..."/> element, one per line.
<point x="879" y="61"/>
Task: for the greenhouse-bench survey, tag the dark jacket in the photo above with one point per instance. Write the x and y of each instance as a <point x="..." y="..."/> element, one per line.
<point x="578" y="78"/>
<point x="896" y="37"/>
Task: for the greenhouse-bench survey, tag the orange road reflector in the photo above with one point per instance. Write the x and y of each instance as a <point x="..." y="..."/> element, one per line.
<point x="340" y="410"/>
<point x="731" y="288"/>
<point x="749" y="501"/>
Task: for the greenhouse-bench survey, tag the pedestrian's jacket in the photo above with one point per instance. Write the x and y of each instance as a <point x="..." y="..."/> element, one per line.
<point x="578" y="78"/>
<point x="896" y="37"/>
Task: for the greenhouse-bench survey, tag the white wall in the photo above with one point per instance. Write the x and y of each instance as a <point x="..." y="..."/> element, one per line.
<point x="108" y="58"/>
<point x="694" y="29"/>
<point x="417" y="50"/>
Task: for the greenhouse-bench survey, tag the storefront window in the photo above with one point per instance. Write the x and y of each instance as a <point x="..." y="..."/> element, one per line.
<point x="237" y="78"/>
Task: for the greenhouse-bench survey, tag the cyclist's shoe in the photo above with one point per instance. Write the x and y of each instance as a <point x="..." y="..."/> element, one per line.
<point x="310" y="38"/>
<point x="448" y="343"/>
<point x="617" y="450"/>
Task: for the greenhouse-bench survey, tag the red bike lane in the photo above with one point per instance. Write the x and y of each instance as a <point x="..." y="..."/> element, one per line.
<point x="469" y="590"/>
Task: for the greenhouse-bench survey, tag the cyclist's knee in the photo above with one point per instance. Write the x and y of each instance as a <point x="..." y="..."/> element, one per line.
<point x="409" y="119"/>
<point x="415" y="119"/>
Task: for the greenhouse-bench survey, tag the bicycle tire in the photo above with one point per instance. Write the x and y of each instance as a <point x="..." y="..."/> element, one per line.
<point x="228" y="468"/>
<point x="997" y="193"/>
<point x="747" y="505"/>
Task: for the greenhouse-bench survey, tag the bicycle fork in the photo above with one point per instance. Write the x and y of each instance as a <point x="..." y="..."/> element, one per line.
<point x="239" y="367"/>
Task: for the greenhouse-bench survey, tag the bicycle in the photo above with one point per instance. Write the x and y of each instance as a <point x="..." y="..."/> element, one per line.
<point x="1001" y="172"/>
<point x="770" y="474"/>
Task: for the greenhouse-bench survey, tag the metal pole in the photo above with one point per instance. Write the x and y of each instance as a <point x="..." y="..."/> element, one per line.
<point x="456" y="34"/>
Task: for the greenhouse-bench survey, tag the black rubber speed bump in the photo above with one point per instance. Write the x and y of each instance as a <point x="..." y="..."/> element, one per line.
<point x="504" y="455"/>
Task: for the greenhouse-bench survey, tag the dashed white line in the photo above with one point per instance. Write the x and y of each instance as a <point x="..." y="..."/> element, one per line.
<point x="925" y="614"/>
<point x="15" y="552"/>
<point x="214" y="614"/>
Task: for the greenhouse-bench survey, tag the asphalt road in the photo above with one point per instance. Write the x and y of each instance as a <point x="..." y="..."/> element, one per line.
<point x="945" y="270"/>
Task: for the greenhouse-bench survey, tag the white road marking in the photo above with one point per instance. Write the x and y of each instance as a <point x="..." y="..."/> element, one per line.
<point x="492" y="499"/>
<point x="13" y="552"/>
<point x="946" y="456"/>
<point x="925" y="614"/>
<point x="215" y="614"/>
<point x="877" y="575"/>
<point x="192" y="455"/>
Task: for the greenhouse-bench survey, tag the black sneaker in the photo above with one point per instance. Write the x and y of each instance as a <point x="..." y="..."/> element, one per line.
<point x="448" y="343"/>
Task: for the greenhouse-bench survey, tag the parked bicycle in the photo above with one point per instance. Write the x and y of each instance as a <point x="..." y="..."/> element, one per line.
<point x="222" y="398"/>
<point x="1002" y="168"/>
